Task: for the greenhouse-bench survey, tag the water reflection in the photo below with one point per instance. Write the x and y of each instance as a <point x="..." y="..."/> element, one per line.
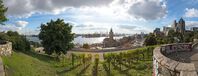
<point x="78" y="40"/>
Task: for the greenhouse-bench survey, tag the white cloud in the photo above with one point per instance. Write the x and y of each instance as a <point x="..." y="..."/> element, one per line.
<point x="99" y="15"/>
<point x="192" y="23"/>
<point x="17" y="26"/>
<point x="83" y="26"/>
<point x="25" y="8"/>
<point x="90" y="27"/>
<point x="127" y="27"/>
<point x="140" y="9"/>
<point x="192" y="12"/>
<point x="94" y="15"/>
<point x="8" y="28"/>
<point x="21" y="24"/>
<point x="148" y="9"/>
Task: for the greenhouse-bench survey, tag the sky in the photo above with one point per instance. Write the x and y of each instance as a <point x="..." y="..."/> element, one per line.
<point x="98" y="16"/>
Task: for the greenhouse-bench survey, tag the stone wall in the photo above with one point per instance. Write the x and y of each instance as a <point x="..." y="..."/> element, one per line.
<point x="6" y="49"/>
<point x="2" y="73"/>
<point x="195" y="40"/>
<point x="164" y="66"/>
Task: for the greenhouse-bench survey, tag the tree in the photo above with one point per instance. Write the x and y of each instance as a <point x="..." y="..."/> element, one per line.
<point x="3" y="10"/>
<point x="86" y="46"/>
<point x="173" y="34"/>
<point x="56" y="37"/>
<point x="3" y="37"/>
<point x="19" y="43"/>
<point x="195" y="36"/>
<point x="2" y="19"/>
<point x="150" y="40"/>
<point x="188" y="37"/>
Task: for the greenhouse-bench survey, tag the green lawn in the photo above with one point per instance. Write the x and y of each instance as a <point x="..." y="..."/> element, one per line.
<point x="20" y="64"/>
<point x="32" y="64"/>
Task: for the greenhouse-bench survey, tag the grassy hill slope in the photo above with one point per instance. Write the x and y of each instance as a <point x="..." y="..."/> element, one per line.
<point x="33" y="64"/>
<point x="20" y="64"/>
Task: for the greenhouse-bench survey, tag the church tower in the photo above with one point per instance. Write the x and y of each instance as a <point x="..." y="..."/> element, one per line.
<point x="111" y="34"/>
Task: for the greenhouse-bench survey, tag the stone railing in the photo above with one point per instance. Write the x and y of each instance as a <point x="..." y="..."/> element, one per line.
<point x="6" y="49"/>
<point x="165" y="66"/>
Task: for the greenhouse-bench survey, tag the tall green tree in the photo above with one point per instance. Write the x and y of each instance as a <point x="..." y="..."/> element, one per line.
<point x="56" y="36"/>
<point x="3" y="10"/>
<point x="188" y="37"/>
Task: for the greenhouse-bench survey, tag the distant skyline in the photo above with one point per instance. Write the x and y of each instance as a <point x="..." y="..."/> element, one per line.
<point x="90" y="16"/>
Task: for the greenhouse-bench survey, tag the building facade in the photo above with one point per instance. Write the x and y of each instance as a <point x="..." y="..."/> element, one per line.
<point x="110" y="42"/>
<point x="111" y="34"/>
<point x="176" y="26"/>
<point x="194" y="28"/>
<point x="180" y="26"/>
<point x="166" y="30"/>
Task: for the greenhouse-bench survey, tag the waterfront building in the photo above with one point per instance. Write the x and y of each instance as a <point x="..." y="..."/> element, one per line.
<point x="110" y="42"/>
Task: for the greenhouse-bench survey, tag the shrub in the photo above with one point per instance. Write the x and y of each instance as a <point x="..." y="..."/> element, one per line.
<point x="141" y="66"/>
<point x="86" y="46"/>
<point x="19" y="43"/>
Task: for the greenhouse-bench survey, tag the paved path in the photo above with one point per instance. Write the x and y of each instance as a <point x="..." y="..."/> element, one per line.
<point x="194" y="58"/>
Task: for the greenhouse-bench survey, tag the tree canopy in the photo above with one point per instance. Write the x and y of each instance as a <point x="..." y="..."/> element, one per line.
<point x="86" y="46"/>
<point x="3" y="10"/>
<point x="56" y="36"/>
<point x="188" y="36"/>
<point x="19" y="43"/>
<point x="150" y="40"/>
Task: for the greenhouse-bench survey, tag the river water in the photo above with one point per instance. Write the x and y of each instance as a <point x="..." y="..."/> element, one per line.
<point x="78" y="40"/>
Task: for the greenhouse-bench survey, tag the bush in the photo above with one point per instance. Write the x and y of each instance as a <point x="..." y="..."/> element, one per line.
<point x="19" y="43"/>
<point x="150" y="40"/>
<point x="141" y="66"/>
<point x="86" y="46"/>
